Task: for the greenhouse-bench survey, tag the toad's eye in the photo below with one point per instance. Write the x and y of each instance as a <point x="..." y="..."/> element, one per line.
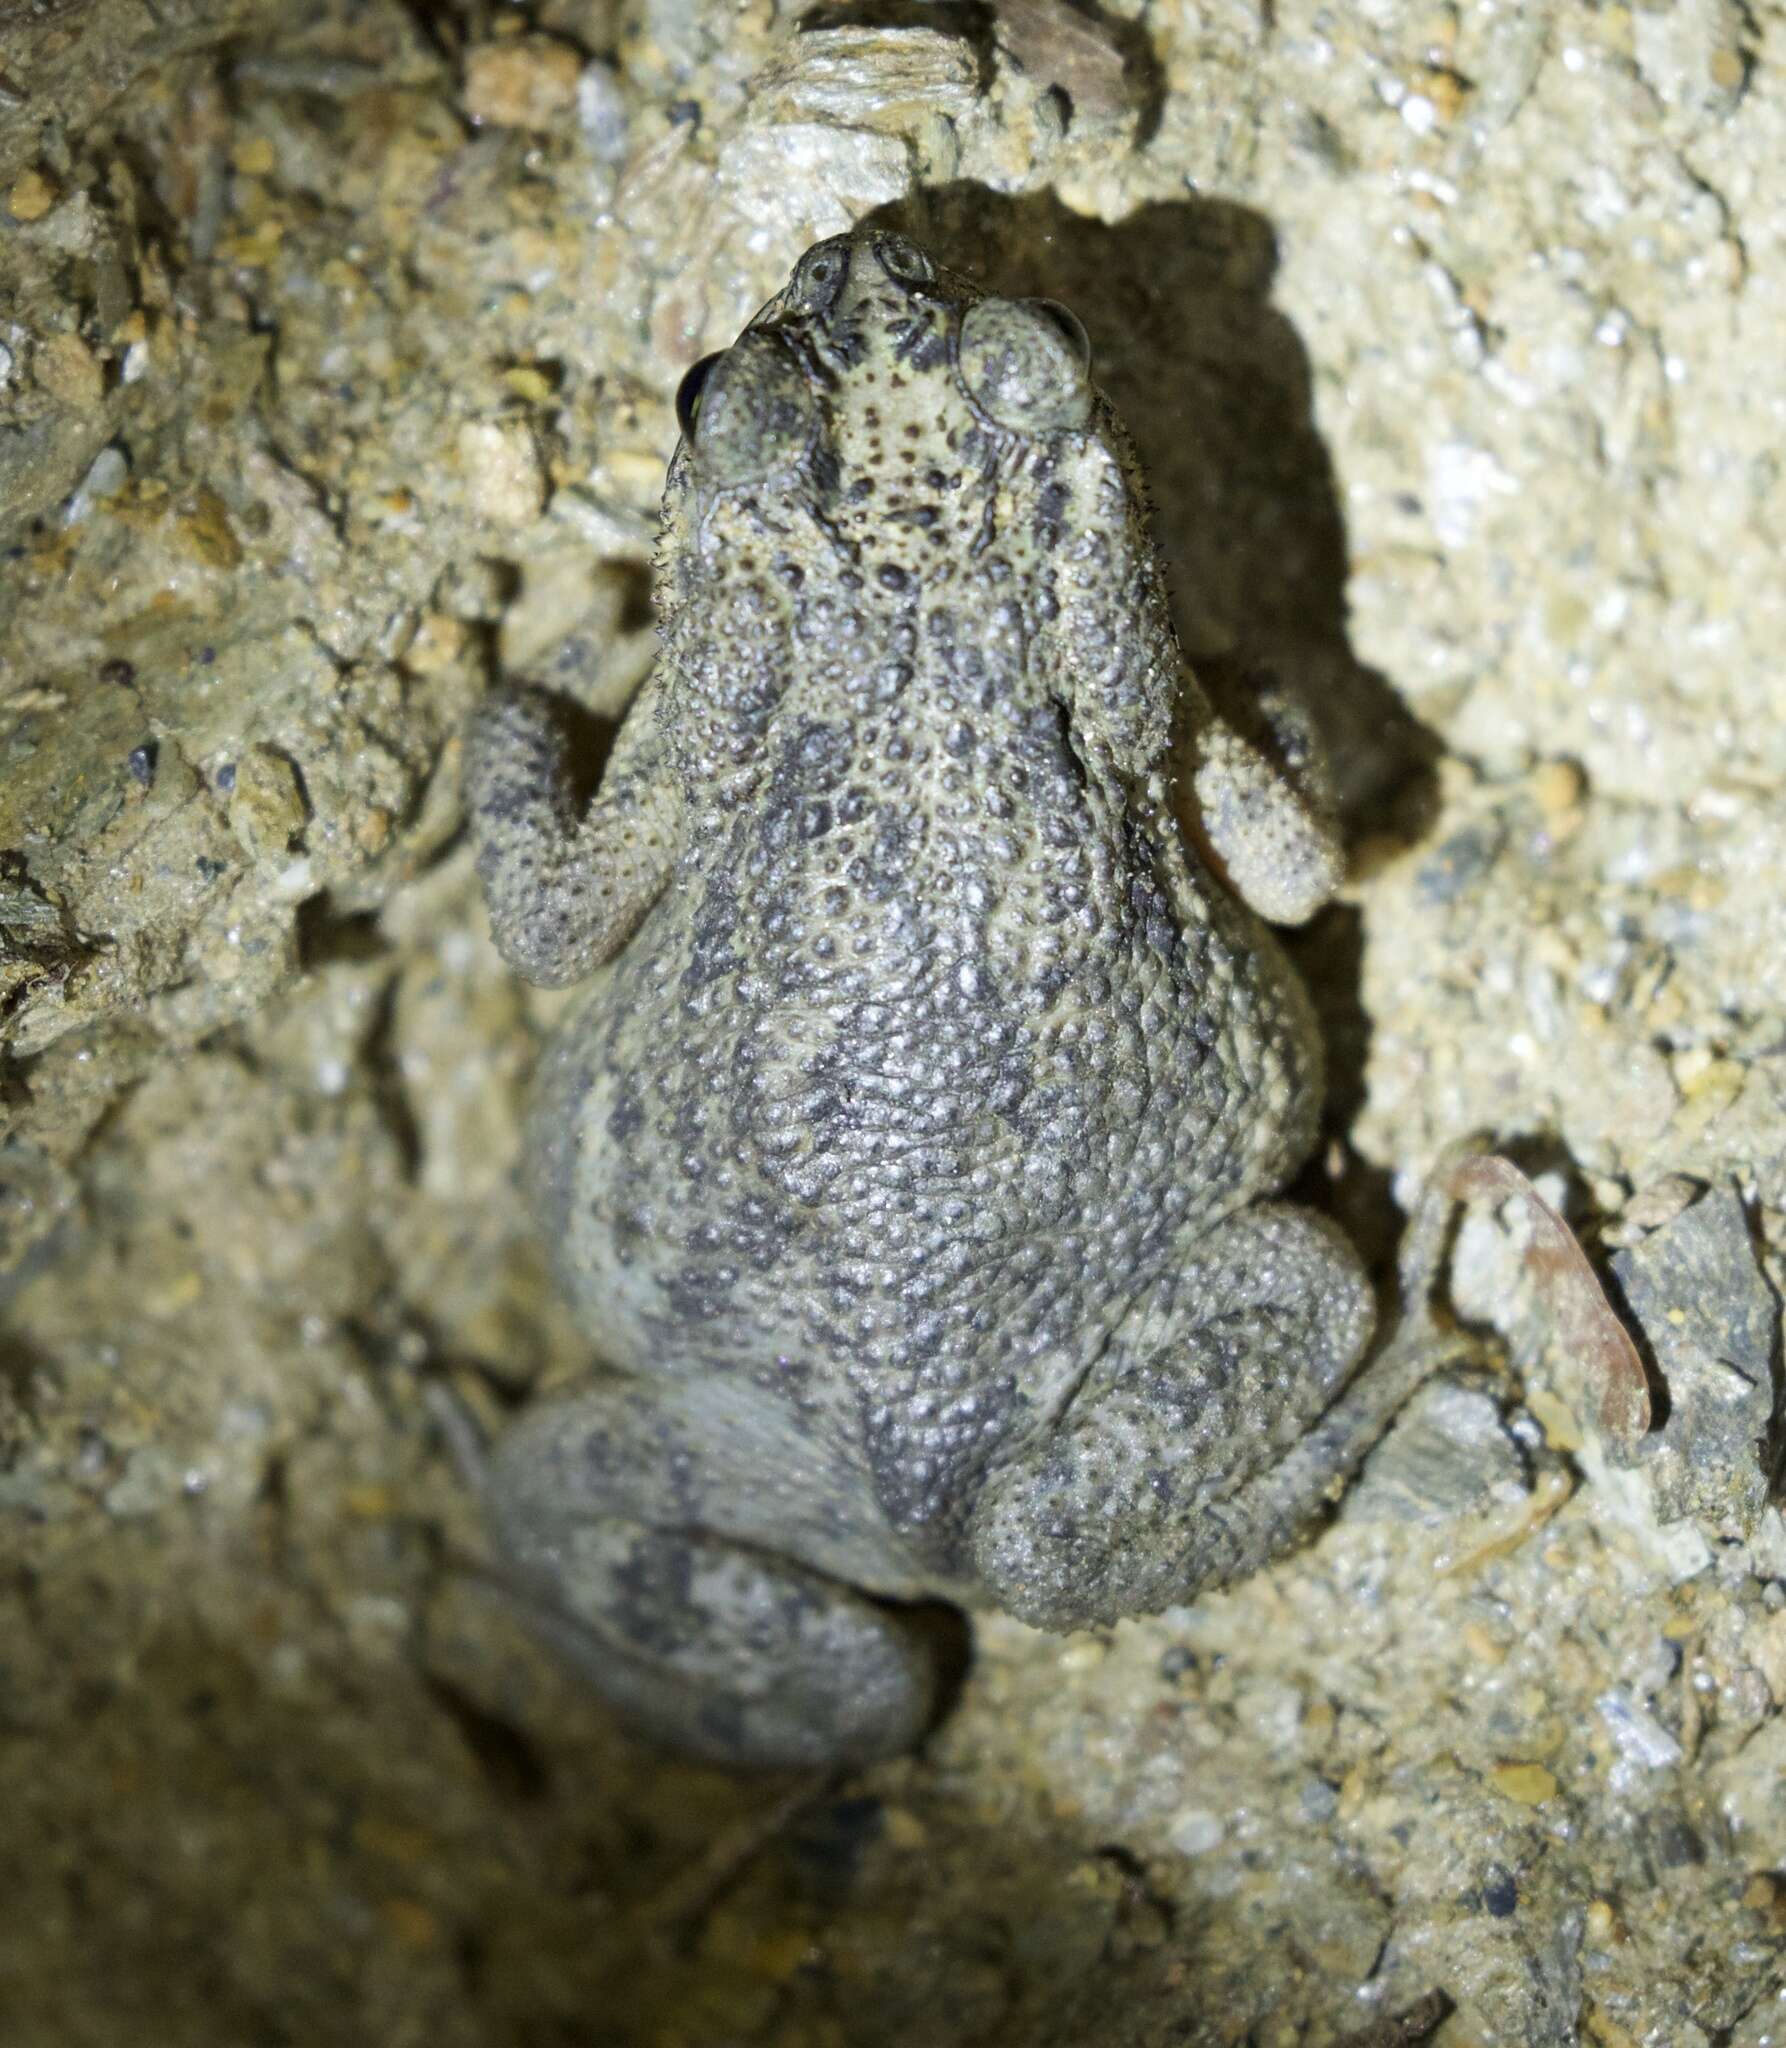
<point x="818" y="278"/>
<point x="1066" y="324"/>
<point x="747" y="413"/>
<point x="1027" y="364"/>
<point x="688" y="395"/>
<point x="903" y="260"/>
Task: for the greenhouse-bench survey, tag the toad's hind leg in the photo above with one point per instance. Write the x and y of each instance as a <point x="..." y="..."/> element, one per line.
<point x="651" y="1532"/>
<point x="1209" y="1437"/>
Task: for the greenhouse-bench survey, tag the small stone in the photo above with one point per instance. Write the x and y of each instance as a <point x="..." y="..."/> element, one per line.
<point x="1459" y="864"/>
<point x="32" y="196"/>
<point x="253" y="156"/>
<point x="1447" y="91"/>
<point x="1500" y="1892"/>
<point x="1056" y="45"/>
<point x="1319" y="1799"/>
<point x="1526" y="1784"/>
<point x="1697" y="1292"/>
<point x="528" y="383"/>
<point x="601" y="113"/>
<point x="1446" y="1456"/>
<point x="439" y="642"/>
<point x="266" y="804"/>
<point x="1482" y="1646"/>
<point x="1640" y="1737"/>
<point x="1672" y="1840"/>
<point x="104" y="479"/>
<point x="372" y="830"/>
<point x="1767" y="1649"/>
<point x="1195" y="1832"/>
<point x="1562" y="1432"/>
<point x="1656" y="1203"/>
<point x="502" y="469"/>
<point x="69" y="371"/>
<point x="1558" y="787"/>
<point x="521" y="82"/>
<point x="202" y="527"/>
<point x="1727" y="70"/>
<point x="811" y="178"/>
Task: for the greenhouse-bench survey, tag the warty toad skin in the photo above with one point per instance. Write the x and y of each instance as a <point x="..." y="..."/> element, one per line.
<point x="910" y="1151"/>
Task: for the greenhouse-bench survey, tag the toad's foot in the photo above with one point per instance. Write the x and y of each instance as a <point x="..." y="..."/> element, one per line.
<point x="1260" y="800"/>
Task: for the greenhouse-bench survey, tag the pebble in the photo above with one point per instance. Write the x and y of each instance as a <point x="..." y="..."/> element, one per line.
<point x="1525" y="1784"/>
<point x="104" y="478"/>
<point x="1319" y="1799"/>
<point x="1444" y="1458"/>
<point x="521" y="81"/>
<point x="31" y="197"/>
<point x="1641" y="1738"/>
<point x="1195" y="1832"/>
<point x="502" y="470"/>
<point x="1558" y="786"/>
<point x="601" y="113"/>
<point x="68" y="370"/>
<point x="266" y="804"/>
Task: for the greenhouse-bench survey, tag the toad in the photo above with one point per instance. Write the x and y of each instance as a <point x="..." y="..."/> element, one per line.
<point x="913" y="1149"/>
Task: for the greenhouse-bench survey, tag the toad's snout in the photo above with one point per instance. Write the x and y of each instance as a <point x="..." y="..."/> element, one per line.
<point x="841" y="281"/>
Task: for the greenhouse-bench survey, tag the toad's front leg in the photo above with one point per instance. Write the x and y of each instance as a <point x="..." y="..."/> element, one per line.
<point x="567" y="887"/>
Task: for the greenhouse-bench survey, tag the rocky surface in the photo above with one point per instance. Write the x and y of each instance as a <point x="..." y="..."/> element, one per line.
<point x="337" y="345"/>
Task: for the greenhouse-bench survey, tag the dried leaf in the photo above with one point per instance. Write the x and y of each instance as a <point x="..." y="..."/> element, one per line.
<point x="1588" y="1329"/>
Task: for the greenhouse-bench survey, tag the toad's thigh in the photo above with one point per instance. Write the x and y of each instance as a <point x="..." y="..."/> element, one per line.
<point x="1140" y="1493"/>
<point x="703" y="1564"/>
<point x="707" y="1452"/>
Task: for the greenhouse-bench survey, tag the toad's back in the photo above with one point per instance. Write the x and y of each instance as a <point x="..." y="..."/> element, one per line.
<point x="935" y="1041"/>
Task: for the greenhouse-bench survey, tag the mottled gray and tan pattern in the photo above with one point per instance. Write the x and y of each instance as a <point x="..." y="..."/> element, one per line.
<point x="911" y="1148"/>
